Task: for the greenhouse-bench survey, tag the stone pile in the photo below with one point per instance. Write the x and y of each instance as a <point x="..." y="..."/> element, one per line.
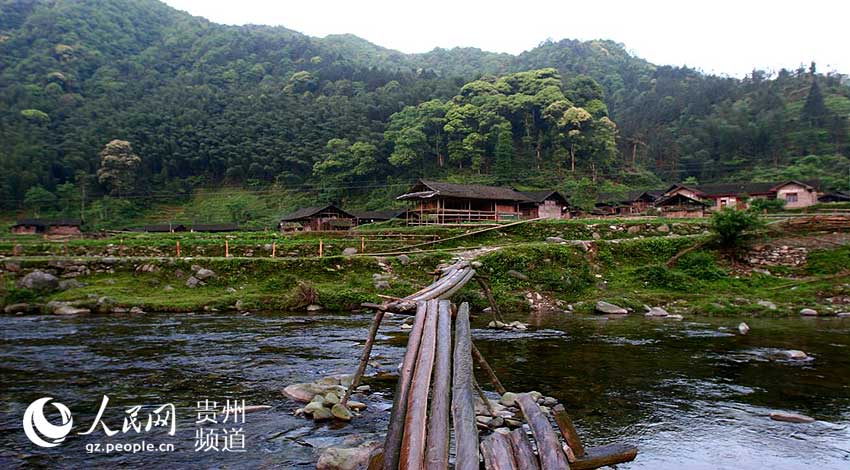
<point x="505" y="412"/>
<point x="323" y="398"/>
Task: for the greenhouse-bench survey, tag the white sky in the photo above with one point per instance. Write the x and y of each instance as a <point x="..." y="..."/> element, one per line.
<point x="716" y="36"/>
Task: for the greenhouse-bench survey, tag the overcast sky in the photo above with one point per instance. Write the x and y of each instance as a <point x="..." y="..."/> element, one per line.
<point x="718" y="36"/>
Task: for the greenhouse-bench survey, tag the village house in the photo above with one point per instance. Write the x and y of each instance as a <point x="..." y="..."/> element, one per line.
<point x="837" y="196"/>
<point x="48" y="227"/>
<point x="680" y="205"/>
<point x="626" y="203"/>
<point x="796" y="194"/>
<point x="544" y="204"/>
<point x="434" y="202"/>
<point x="320" y="218"/>
<point x="158" y="228"/>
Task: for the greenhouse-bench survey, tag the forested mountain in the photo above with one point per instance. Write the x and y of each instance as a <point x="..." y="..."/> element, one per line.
<point x="203" y="104"/>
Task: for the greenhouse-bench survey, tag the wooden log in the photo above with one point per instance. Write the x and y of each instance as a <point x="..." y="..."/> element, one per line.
<point x="438" y="288"/>
<point x="437" y="456"/>
<point x="497" y="315"/>
<point x="463" y="407"/>
<point x="523" y="453"/>
<point x="413" y="443"/>
<point x="483" y="397"/>
<point x="488" y="370"/>
<point x="392" y="443"/>
<point x="430" y="287"/>
<point x="458" y="285"/>
<point x="498" y="452"/>
<point x="364" y="357"/>
<point x="549" y="451"/>
<point x="602" y="456"/>
<point x="565" y="424"/>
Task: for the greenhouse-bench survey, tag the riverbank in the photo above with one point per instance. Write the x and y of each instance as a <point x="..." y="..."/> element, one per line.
<point x="562" y="266"/>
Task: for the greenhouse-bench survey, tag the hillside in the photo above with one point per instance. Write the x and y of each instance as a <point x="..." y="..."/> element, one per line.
<point x="204" y="105"/>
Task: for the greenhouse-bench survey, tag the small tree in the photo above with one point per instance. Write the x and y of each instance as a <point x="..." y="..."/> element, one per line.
<point x="760" y="205"/>
<point x="38" y="199"/>
<point x="733" y="229"/>
<point x="119" y="168"/>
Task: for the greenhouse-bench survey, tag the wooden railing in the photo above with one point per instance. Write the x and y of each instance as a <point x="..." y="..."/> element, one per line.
<point x="443" y="216"/>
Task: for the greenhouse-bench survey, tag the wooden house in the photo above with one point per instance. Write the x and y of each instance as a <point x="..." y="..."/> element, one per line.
<point x="434" y="202"/>
<point x="626" y="203"/>
<point x="796" y="194"/>
<point x="49" y="227"/>
<point x="544" y="204"/>
<point x="837" y="196"/>
<point x="681" y="205"/>
<point x="328" y="217"/>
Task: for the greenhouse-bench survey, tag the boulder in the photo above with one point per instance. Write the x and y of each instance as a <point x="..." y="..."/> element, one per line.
<point x="791" y="417"/>
<point x="808" y="312"/>
<point x="767" y="304"/>
<point x="508" y="399"/>
<point x="193" y="282"/>
<point x="66" y="284"/>
<point x="356" y="405"/>
<point x="382" y="285"/>
<point x="314" y="308"/>
<point x="347" y="458"/>
<point x="305" y="392"/>
<point x="204" y="274"/>
<point x="137" y="311"/>
<point x="322" y="414"/>
<point x="555" y="240"/>
<point x="843" y="315"/>
<point x="794" y="354"/>
<point x="664" y="228"/>
<point x="341" y="412"/>
<point x="609" y="308"/>
<point x="17" y="309"/>
<point x="517" y="275"/>
<point x="403" y="259"/>
<point x="633" y="229"/>
<point x="66" y="309"/>
<point x="350" y="251"/>
<point x="13" y="267"/>
<point x="657" y="312"/>
<point x="743" y="328"/>
<point x="39" y="281"/>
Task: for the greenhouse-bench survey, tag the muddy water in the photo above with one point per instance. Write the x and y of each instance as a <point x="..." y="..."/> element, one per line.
<point x="690" y="394"/>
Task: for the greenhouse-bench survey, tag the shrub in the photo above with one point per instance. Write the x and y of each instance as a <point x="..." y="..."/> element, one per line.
<point x="659" y="276"/>
<point x="761" y="205"/>
<point x="733" y="228"/>
<point x="701" y="265"/>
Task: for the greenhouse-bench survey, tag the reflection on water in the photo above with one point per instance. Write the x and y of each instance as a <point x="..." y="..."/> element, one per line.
<point x="691" y="394"/>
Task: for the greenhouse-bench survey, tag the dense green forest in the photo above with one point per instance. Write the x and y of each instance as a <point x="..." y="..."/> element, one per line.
<point x="193" y="104"/>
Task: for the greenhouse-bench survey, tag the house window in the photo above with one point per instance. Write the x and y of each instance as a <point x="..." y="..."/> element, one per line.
<point x="790" y="197"/>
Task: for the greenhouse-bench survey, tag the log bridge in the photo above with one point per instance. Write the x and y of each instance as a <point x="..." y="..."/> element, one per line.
<point x="437" y="386"/>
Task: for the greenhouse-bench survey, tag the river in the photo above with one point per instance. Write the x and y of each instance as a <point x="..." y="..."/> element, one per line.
<point x="691" y="394"/>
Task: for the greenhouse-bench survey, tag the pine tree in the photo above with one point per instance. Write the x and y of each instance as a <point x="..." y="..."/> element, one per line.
<point x="815" y="111"/>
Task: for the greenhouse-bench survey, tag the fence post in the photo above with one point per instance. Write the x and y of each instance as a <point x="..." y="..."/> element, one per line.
<point x="121" y="247"/>
<point x="226" y="249"/>
<point x="362" y="244"/>
<point x="274" y="249"/>
<point x="178" y="248"/>
<point x="320" y="248"/>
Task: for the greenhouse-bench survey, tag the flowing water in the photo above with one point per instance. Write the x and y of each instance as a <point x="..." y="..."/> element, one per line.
<point x="690" y="394"/>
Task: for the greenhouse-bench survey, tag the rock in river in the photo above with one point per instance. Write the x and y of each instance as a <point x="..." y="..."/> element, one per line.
<point x="791" y="417"/>
<point x="341" y="412"/>
<point x="808" y="312"/>
<point x="304" y="392"/>
<point x="657" y="312"/>
<point x="609" y="308"/>
<point x="347" y="458"/>
<point x="743" y="328"/>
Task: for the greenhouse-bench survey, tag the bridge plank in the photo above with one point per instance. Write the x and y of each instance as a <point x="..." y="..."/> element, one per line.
<point x="437" y="456"/>
<point x="392" y="444"/>
<point x="602" y="456"/>
<point x="552" y="457"/>
<point x="565" y="424"/>
<point x="523" y="453"/>
<point x="413" y="444"/>
<point x="498" y="453"/>
<point x="463" y="407"/>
